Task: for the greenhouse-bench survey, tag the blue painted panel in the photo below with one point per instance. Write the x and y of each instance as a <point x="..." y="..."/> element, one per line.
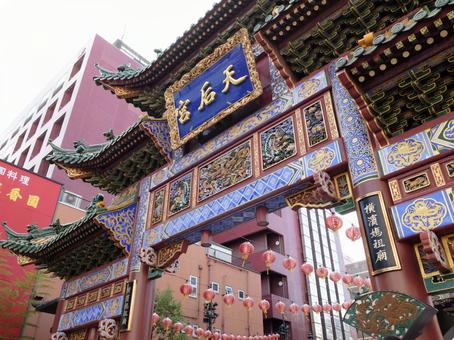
<point x="430" y="212"/>
<point x="215" y="76"/>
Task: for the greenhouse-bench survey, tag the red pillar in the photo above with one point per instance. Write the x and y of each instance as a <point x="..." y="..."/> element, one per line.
<point x="141" y="307"/>
<point x="407" y="280"/>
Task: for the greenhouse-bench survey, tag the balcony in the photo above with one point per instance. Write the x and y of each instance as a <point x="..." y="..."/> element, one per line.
<point x="272" y="313"/>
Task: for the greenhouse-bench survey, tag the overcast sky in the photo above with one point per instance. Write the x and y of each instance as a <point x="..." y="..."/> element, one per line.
<point x="40" y="38"/>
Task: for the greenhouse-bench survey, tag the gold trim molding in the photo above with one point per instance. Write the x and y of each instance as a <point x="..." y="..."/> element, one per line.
<point x="240" y="37"/>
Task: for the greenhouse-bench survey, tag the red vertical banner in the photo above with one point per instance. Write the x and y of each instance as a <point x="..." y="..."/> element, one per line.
<point x="25" y="198"/>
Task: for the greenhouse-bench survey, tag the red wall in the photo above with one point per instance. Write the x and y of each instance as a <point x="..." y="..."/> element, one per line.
<point x="285" y="223"/>
<point x="96" y="110"/>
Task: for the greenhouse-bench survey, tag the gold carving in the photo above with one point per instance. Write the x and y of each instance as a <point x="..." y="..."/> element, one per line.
<point x="416" y="182"/>
<point x="321" y="195"/>
<point x="105" y="292"/>
<point x="78" y="335"/>
<point x="81" y="301"/>
<point x="321" y="159"/>
<point x="168" y="254"/>
<point x="181" y="112"/>
<point x="394" y="189"/>
<point x="424" y="214"/>
<point x="330" y="115"/>
<point x="229" y="72"/>
<point x="438" y="175"/>
<point x="118" y="288"/>
<point x="70" y="304"/>
<point x="93" y="296"/>
<point x="23" y="260"/>
<point x="300" y="129"/>
<point x="241" y="37"/>
<point x="75" y="173"/>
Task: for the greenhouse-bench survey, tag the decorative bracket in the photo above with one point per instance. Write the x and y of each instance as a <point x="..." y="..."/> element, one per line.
<point x="321" y="195"/>
<point x="107" y="329"/>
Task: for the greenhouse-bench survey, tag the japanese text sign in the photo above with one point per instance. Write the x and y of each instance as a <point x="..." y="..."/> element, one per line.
<point x="26" y="198"/>
<point x="217" y="86"/>
<point x="382" y="251"/>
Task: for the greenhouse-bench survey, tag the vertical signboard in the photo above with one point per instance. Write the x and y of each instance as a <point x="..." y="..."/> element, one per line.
<point x="380" y="240"/>
<point x="126" y="317"/>
<point x="25" y="198"/>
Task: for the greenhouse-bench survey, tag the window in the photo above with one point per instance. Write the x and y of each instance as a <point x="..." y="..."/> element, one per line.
<point x="228" y="290"/>
<point x="55" y="132"/>
<point x="241" y="294"/>
<point x="215" y="287"/>
<point x="67" y="96"/>
<point x="49" y="112"/>
<point x="193" y="281"/>
<point x="38" y="144"/>
<point x="19" y="142"/>
<point x="76" y="67"/>
<point x="34" y="127"/>
<point x="43" y="167"/>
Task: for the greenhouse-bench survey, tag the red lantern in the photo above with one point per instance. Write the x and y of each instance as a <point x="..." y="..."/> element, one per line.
<point x="280" y="307"/>
<point x="248" y="302"/>
<point x="347" y="279"/>
<point x="327" y="308"/>
<point x="353" y="233"/>
<point x="188" y="330"/>
<point x="307" y="268"/>
<point x="216" y="336"/>
<point x="246" y="249"/>
<point x="337" y="307"/>
<point x="317" y="308"/>
<point x="264" y="306"/>
<point x="289" y="263"/>
<point x="306" y="309"/>
<point x="322" y="272"/>
<point x="154" y="319"/>
<point x="293" y="308"/>
<point x="368" y="283"/>
<point x="346" y="305"/>
<point x="199" y="332"/>
<point x="166" y="323"/>
<point x="209" y="295"/>
<point x="186" y="289"/>
<point x="178" y="326"/>
<point x="229" y="299"/>
<point x="334" y="222"/>
<point x="358" y="281"/>
<point x="207" y="334"/>
<point x="225" y="336"/>
<point x="269" y="258"/>
<point x="335" y="276"/>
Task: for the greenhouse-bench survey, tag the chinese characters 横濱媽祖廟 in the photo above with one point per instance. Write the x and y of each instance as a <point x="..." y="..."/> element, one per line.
<point x="229" y="72"/>
<point x="182" y="111"/>
<point x="207" y="95"/>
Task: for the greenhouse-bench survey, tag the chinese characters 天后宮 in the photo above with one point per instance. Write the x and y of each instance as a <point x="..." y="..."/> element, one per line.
<point x="208" y="95"/>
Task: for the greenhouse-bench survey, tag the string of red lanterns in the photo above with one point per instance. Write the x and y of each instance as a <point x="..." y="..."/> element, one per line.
<point x="205" y="334"/>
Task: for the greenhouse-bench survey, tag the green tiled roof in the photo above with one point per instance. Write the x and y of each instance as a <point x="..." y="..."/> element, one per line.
<point x="106" y="166"/>
<point x="425" y="14"/>
<point x="45" y="246"/>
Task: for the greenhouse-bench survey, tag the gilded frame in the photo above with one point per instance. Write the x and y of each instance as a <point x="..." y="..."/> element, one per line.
<point x="390" y="233"/>
<point x="248" y="142"/>
<point x="349" y="184"/>
<point x="413" y="176"/>
<point x="421" y="268"/>
<point x="240" y="37"/>
<point x="295" y="138"/>
<point x="322" y="107"/>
